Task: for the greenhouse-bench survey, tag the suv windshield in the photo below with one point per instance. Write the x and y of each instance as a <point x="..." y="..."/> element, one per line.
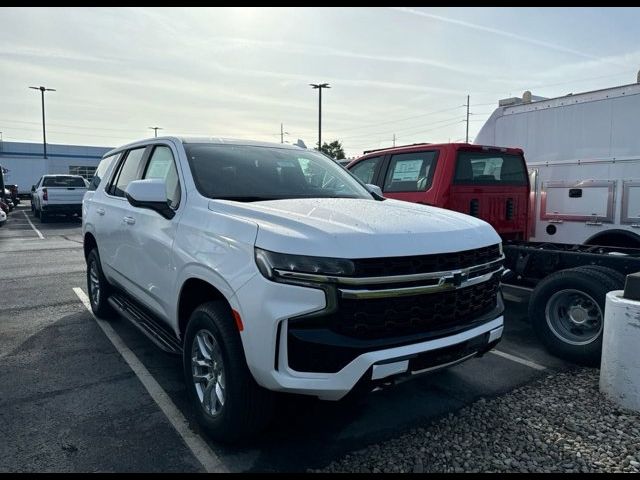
<point x="63" y="182"/>
<point x="482" y="168"/>
<point x="250" y="173"/>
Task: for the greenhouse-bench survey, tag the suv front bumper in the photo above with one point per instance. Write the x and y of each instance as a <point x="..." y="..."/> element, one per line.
<point x="267" y="309"/>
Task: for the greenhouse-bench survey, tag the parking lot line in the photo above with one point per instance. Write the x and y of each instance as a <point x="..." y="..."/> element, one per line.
<point x="199" y="448"/>
<point x="33" y="226"/>
<point x="522" y="361"/>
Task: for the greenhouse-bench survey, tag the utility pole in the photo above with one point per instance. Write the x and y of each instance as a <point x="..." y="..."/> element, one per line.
<point x="467" y="140"/>
<point x="44" y="133"/>
<point x="155" y="130"/>
<point x="282" y="133"/>
<point x="319" y="87"/>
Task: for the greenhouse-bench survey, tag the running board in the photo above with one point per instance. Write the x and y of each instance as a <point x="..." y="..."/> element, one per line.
<point x="159" y="334"/>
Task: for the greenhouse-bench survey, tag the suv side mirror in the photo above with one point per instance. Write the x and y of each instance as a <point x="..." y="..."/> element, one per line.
<point x="151" y="194"/>
<point x="375" y="189"/>
<point x="33" y="188"/>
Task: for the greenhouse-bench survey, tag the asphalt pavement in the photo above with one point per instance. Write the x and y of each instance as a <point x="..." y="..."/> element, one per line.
<point x="70" y="401"/>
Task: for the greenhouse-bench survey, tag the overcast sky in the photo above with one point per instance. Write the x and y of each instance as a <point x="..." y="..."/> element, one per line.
<point x="240" y="72"/>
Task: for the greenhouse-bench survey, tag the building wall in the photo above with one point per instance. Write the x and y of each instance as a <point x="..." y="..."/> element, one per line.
<point x="24" y="163"/>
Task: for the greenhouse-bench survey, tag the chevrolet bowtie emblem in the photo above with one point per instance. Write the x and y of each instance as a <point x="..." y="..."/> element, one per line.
<point x="459" y="278"/>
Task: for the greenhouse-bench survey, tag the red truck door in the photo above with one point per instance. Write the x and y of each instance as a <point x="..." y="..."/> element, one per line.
<point x="410" y="176"/>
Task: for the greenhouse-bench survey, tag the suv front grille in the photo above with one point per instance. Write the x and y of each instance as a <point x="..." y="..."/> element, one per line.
<point x="397" y="316"/>
<point x="388" y="266"/>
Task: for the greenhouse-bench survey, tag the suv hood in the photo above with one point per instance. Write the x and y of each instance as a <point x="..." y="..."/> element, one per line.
<point x="359" y="228"/>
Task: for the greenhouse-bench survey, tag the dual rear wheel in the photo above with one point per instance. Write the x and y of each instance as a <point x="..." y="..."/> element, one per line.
<point x="567" y="311"/>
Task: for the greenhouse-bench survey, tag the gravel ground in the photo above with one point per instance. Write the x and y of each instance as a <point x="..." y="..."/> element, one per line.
<point x="560" y="423"/>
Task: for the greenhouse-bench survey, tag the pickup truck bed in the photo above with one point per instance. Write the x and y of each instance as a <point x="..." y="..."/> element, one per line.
<point x="58" y="194"/>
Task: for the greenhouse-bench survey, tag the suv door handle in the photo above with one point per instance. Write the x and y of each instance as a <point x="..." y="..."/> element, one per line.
<point x="129" y="220"/>
<point x="100" y="211"/>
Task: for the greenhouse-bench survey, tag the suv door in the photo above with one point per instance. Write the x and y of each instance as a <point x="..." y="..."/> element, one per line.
<point x="150" y="238"/>
<point x="116" y="255"/>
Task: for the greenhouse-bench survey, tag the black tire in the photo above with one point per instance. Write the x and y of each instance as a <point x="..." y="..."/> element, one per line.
<point x="247" y="407"/>
<point x="99" y="304"/>
<point x="596" y="284"/>
<point x="36" y="213"/>
<point x="33" y="209"/>
<point x="44" y="217"/>
<point x="616" y="277"/>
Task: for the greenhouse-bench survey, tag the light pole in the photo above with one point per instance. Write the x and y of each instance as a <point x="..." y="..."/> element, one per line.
<point x="44" y="133"/>
<point x="155" y="130"/>
<point x="319" y="87"/>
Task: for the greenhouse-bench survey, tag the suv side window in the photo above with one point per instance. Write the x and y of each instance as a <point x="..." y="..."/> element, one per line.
<point x="410" y="172"/>
<point x="127" y="172"/>
<point x="366" y="169"/>
<point x="162" y="165"/>
<point x="103" y="166"/>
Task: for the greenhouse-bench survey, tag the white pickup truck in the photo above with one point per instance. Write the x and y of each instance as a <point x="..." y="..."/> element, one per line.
<point x="58" y="194"/>
<point x="270" y="268"/>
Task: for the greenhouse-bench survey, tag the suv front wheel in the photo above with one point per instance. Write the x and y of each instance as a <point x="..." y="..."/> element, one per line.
<point x="227" y="400"/>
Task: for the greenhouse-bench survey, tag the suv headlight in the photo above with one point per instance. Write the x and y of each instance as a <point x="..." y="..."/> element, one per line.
<point x="283" y="266"/>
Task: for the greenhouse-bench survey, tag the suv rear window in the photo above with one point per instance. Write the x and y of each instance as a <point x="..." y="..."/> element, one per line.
<point x="63" y="182"/>
<point x="489" y="168"/>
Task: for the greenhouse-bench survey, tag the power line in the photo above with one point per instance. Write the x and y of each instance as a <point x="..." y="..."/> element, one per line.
<point x="68" y="125"/>
<point x="399" y="130"/>
<point x="58" y="131"/>
<point x="352" y="145"/>
<point x="402" y="119"/>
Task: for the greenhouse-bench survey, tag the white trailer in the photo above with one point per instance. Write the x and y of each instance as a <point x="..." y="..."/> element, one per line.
<point x="583" y="155"/>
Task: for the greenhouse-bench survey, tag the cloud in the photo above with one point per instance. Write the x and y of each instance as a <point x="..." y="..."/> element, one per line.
<point x="236" y="43"/>
<point x="500" y="32"/>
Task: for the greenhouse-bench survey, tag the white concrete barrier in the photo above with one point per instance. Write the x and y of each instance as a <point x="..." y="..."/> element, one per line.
<point x="620" y="365"/>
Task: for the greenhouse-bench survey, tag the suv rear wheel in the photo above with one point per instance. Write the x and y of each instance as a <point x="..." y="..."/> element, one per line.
<point x="227" y="400"/>
<point x="97" y="287"/>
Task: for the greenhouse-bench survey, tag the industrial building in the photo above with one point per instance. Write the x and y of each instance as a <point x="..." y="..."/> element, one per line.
<point x="24" y="163"/>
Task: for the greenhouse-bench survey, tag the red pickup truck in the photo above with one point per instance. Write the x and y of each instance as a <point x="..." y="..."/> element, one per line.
<point x="490" y="183"/>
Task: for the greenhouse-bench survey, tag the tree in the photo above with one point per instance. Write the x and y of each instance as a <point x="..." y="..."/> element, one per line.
<point x="333" y="149"/>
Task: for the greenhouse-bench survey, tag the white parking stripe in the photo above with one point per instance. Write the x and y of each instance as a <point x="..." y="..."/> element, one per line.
<point x="522" y="361"/>
<point x="33" y="226"/>
<point x="196" y="444"/>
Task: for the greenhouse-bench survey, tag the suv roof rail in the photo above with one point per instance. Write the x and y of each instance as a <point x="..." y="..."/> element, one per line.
<point x="397" y="146"/>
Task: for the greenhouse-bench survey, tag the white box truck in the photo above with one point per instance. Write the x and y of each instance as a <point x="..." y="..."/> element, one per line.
<point x="583" y="155"/>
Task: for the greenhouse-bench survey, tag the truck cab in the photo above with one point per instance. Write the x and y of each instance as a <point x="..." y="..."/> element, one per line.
<point x="487" y="182"/>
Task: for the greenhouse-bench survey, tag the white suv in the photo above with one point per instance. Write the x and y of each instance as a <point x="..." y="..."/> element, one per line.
<point x="270" y="268"/>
